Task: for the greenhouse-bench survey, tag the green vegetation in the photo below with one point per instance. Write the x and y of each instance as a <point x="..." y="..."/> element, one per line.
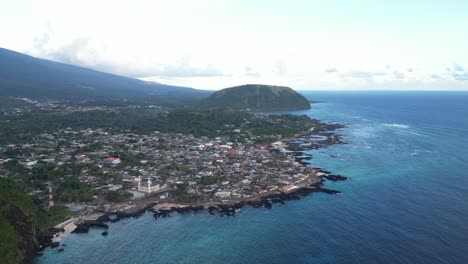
<point x="118" y="197"/>
<point x="10" y="192"/>
<point x="187" y="198"/>
<point x="8" y="242"/>
<point x="284" y="125"/>
<point x="73" y="190"/>
<point x="64" y="177"/>
<point x="257" y="97"/>
<point x="17" y="223"/>
<point x="21" y="221"/>
<point x="209" y="180"/>
<point x="52" y="217"/>
<point x="183" y="196"/>
<point x="174" y="167"/>
<point x="211" y="123"/>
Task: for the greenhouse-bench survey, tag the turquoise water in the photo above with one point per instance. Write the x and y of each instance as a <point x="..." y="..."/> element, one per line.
<point x="407" y="154"/>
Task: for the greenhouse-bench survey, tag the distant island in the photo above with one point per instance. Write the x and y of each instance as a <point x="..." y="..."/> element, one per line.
<point x="258" y="97"/>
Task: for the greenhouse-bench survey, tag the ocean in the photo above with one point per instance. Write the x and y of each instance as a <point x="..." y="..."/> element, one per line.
<point x="407" y="155"/>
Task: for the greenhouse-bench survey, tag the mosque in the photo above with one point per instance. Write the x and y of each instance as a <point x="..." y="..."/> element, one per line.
<point x="147" y="187"/>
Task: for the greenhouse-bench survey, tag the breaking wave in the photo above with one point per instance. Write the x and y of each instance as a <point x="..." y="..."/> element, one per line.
<point x="402" y="126"/>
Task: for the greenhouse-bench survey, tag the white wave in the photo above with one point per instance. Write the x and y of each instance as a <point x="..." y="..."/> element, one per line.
<point x="402" y="126"/>
<point x="420" y="151"/>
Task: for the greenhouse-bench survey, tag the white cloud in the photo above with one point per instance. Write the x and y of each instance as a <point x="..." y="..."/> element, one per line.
<point x="399" y="75"/>
<point x="460" y="76"/>
<point x="364" y="74"/>
<point x="218" y="43"/>
<point x="457" y="68"/>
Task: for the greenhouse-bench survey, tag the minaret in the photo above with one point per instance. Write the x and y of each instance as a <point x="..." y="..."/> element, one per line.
<point x="51" y="195"/>
<point x="149" y="184"/>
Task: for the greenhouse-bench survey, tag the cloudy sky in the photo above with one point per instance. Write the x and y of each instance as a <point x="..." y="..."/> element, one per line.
<point x="212" y="44"/>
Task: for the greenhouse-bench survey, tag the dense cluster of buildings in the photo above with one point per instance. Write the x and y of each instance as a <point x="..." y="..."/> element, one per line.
<point x="205" y="168"/>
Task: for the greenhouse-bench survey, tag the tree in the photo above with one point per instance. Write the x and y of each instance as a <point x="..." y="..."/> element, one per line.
<point x="114" y="196"/>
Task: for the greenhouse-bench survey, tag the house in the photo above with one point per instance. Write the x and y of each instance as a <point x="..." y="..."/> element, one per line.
<point x="263" y="151"/>
<point x="164" y="195"/>
<point x="31" y="163"/>
<point x="80" y="155"/>
<point x="222" y="194"/>
<point x="112" y="160"/>
<point x="247" y="182"/>
<point x="225" y="146"/>
<point x="114" y="187"/>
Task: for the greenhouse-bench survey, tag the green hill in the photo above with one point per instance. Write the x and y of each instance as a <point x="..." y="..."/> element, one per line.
<point x="257" y="97"/>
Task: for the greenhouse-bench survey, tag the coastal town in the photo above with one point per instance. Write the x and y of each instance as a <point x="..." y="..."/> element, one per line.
<point x="172" y="167"/>
<point x="87" y="176"/>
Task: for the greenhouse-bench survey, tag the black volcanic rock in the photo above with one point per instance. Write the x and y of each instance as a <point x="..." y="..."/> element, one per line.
<point x="55" y="244"/>
<point x="335" y="178"/>
<point x="81" y="228"/>
<point x="329" y="191"/>
<point x="85" y="226"/>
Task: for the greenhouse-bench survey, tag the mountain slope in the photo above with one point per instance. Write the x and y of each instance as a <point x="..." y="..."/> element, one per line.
<point x="257" y="97"/>
<point x="23" y="75"/>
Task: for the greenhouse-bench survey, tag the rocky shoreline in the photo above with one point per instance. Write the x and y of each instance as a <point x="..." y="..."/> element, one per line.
<point x="308" y="141"/>
<point x="220" y="209"/>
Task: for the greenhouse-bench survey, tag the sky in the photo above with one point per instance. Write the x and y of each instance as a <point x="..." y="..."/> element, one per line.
<point x="213" y="44"/>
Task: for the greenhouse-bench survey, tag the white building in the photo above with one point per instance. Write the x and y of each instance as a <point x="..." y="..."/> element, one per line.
<point x="148" y="187"/>
<point x="222" y="194"/>
<point x="112" y="160"/>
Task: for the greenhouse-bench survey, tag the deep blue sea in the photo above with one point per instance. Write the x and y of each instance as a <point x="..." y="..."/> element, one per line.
<point x="407" y="202"/>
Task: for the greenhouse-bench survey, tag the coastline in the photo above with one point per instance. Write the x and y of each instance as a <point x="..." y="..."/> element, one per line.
<point x="297" y="145"/>
<point x="323" y="227"/>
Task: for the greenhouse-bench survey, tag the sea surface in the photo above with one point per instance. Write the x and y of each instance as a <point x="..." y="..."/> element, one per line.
<point x="407" y="202"/>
